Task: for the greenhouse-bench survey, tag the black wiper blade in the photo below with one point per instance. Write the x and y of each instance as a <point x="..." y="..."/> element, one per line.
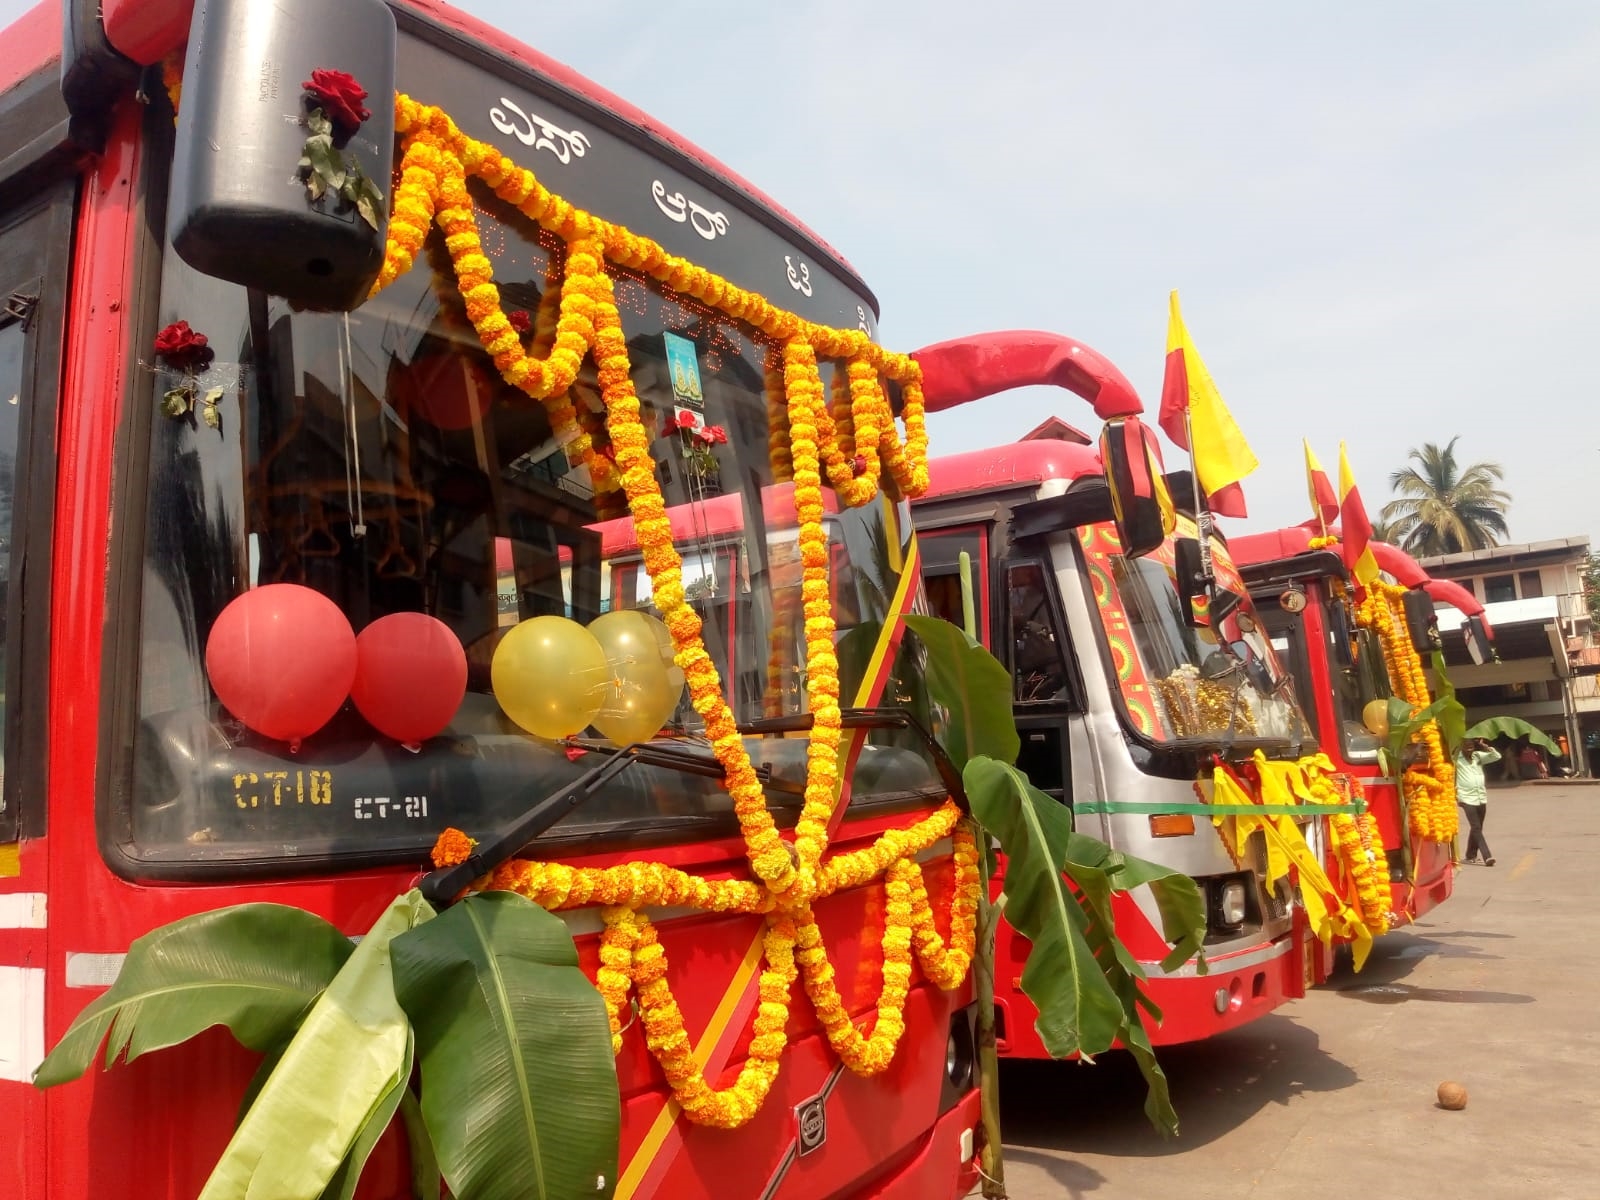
<point x="874" y="718"/>
<point x="440" y="887"/>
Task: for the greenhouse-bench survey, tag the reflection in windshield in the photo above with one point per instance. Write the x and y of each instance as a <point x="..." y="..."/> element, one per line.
<point x="379" y="459"/>
<point x="1186" y="679"/>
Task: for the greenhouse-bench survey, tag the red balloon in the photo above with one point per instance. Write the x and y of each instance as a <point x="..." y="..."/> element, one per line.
<point x="411" y="674"/>
<point x="281" y="658"/>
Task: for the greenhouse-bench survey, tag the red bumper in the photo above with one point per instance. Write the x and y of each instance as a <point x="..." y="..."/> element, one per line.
<point x="938" y="1168"/>
<point x="1237" y="989"/>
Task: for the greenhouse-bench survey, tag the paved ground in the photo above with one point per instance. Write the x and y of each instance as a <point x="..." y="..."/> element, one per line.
<point x="1333" y="1096"/>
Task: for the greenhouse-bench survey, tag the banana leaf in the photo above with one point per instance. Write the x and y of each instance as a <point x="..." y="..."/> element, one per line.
<point x="256" y="968"/>
<point x="336" y="1085"/>
<point x="519" y="1088"/>
<point x="1098" y="870"/>
<point x="1452" y="715"/>
<point x="971" y="685"/>
<point x="1079" y="1012"/>
<point x="1513" y="727"/>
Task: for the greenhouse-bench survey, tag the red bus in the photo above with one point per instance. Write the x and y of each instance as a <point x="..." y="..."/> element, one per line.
<point x="1122" y="703"/>
<point x="1307" y="599"/>
<point x="376" y="458"/>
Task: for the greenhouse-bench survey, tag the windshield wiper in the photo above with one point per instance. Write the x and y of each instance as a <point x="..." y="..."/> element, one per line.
<point x="443" y="885"/>
<point x="874" y="718"/>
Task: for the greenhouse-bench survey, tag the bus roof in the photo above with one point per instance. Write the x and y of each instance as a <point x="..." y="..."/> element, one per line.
<point x="1278" y="545"/>
<point x="1005" y="466"/>
<point x="145" y="30"/>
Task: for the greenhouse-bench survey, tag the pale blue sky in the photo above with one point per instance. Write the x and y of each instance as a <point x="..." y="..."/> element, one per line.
<point x="1383" y="218"/>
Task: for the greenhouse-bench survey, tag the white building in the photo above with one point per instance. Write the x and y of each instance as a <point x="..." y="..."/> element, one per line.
<point x="1533" y="597"/>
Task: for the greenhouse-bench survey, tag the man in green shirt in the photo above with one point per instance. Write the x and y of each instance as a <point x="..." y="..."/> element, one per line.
<point x="1473" y="796"/>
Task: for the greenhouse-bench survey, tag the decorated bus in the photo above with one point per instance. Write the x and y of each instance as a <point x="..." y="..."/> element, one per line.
<point x="1350" y="650"/>
<point x="1150" y="703"/>
<point x="403" y="432"/>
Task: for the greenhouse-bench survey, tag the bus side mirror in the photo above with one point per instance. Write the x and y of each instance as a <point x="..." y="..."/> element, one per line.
<point x="240" y="208"/>
<point x="1140" y="503"/>
<point x="1480" y="646"/>
<point x="1421" y="622"/>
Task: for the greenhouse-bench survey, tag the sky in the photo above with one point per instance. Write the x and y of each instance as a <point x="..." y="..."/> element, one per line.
<point x="1383" y="219"/>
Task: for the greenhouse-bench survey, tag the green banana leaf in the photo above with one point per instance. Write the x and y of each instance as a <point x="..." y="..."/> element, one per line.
<point x="255" y="968"/>
<point x="1402" y="725"/>
<point x="336" y="1085"/>
<point x="1079" y="1012"/>
<point x="1098" y="870"/>
<point x="519" y="1088"/>
<point x="972" y="686"/>
<point x="1452" y="715"/>
<point x="343" y="1184"/>
<point x="1513" y="727"/>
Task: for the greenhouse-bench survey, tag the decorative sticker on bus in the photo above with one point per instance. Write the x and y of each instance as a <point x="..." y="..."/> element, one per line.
<point x="1100" y="545"/>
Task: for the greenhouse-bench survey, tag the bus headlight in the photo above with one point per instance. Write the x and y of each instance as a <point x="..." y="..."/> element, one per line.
<point x="1231" y="906"/>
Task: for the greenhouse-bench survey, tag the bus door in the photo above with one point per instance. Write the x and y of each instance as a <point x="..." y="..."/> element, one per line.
<point x="1045" y="698"/>
<point x="35" y="242"/>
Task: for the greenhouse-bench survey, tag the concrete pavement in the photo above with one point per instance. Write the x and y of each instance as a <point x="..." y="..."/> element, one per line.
<point x="1333" y="1095"/>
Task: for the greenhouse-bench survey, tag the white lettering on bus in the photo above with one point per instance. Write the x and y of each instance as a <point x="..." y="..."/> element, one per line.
<point x="709" y="225"/>
<point x="535" y="131"/>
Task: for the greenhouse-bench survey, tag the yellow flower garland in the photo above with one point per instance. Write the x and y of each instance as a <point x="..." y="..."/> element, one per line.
<point x="852" y="445"/>
<point x="1430" y="791"/>
<point x="1355" y="840"/>
<point x="631" y="957"/>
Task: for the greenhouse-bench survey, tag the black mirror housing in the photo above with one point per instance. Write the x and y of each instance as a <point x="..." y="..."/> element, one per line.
<point x="1421" y="622"/>
<point x="1141" y="505"/>
<point x="239" y="208"/>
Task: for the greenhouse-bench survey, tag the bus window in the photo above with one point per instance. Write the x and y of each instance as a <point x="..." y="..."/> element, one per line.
<point x="32" y="300"/>
<point x="1038" y="663"/>
<point x="12" y="342"/>
<point x="941" y="575"/>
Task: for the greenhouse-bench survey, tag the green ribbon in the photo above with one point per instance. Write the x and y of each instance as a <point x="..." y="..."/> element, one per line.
<point x="1216" y="810"/>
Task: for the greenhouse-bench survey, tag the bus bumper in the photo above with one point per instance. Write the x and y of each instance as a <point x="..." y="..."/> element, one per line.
<point x="1238" y="988"/>
<point x="946" y="1165"/>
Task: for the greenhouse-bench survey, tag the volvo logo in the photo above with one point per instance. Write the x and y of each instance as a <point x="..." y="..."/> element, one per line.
<point x="812" y="1118"/>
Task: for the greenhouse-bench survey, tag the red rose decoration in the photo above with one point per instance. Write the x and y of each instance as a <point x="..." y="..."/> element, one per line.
<point x="859" y="465"/>
<point x="182" y="347"/>
<point x="520" y="320"/>
<point x="713" y="435"/>
<point x="340" y="97"/>
<point x="685" y="420"/>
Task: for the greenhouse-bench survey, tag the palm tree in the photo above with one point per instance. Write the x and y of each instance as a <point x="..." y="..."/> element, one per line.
<point x="1446" y="507"/>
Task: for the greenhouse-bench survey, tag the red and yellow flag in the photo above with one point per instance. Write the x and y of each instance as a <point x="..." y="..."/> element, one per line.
<point x="1355" y="528"/>
<point x="1324" y="500"/>
<point x="1220" y="454"/>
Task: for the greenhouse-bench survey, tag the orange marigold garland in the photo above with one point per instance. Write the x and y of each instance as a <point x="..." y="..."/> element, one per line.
<point x="1430" y="790"/>
<point x="852" y="446"/>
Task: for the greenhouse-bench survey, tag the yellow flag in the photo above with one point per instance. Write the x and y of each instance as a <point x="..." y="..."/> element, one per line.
<point x="1221" y="455"/>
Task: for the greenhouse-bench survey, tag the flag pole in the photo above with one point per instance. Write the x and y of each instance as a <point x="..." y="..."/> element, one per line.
<point x="1202" y="515"/>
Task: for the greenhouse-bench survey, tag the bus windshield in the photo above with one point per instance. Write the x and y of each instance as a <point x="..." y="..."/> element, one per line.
<point x="1179" y="683"/>
<point x="379" y="459"/>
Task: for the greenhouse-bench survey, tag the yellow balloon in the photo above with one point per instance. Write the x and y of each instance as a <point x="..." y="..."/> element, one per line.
<point x="549" y="675"/>
<point x="1375" y="716"/>
<point x="664" y="641"/>
<point x="645" y="685"/>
